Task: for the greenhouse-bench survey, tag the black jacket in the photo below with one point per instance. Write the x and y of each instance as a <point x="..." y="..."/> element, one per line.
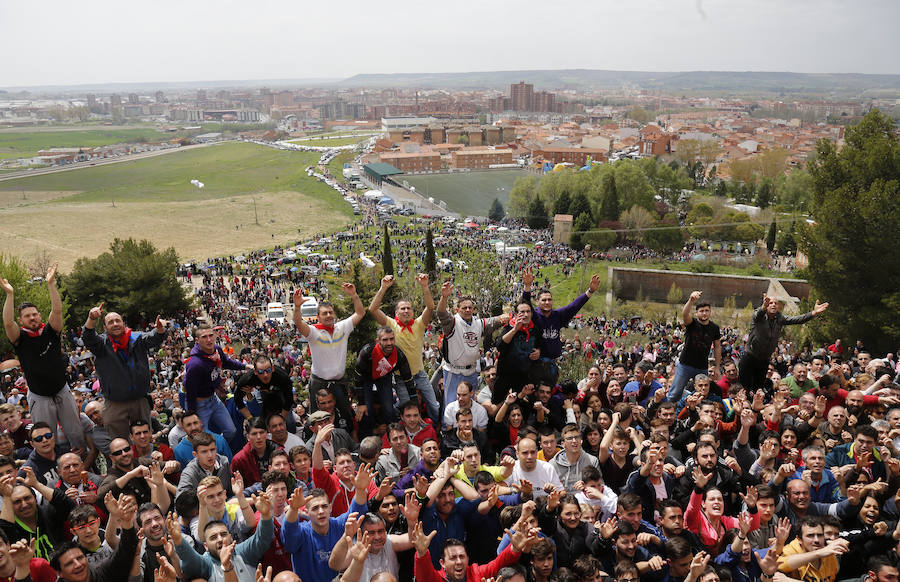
<point x="364" y="370"/>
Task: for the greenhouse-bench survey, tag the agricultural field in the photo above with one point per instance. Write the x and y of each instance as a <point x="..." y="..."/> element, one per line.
<point x="467" y="193"/>
<point x="252" y="197"/>
<point x="24" y="144"/>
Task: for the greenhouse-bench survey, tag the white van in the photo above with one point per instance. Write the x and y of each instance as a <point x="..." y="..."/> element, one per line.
<point x="275" y="312"/>
<point x="309" y="311"/>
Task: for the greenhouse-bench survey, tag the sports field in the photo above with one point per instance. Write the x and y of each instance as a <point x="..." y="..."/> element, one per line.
<point x="78" y="213"/>
<point x="470" y="193"/>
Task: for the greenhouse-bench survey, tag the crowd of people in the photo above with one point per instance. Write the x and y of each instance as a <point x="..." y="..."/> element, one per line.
<point x="450" y="447"/>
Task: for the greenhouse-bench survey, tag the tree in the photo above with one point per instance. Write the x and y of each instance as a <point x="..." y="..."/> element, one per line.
<point x="633" y="187"/>
<point x="635" y="219"/>
<point x="764" y="194"/>
<point x="579" y="206"/>
<point x="853" y="262"/>
<point x="600" y="239"/>
<point x="387" y="259"/>
<point x="786" y="240"/>
<point x="675" y="294"/>
<point x="537" y="215"/>
<point x="27" y="288"/>
<point x="772" y="163"/>
<point x="132" y="278"/>
<point x="770" y="237"/>
<point x="722" y="189"/>
<point x="430" y="260"/>
<point x="367" y="284"/>
<point x="666" y="236"/>
<point x="609" y="202"/>
<point x="582" y="225"/>
<point x="639" y="114"/>
<point x="562" y="203"/>
<point x="521" y="196"/>
<point x="496" y="212"/>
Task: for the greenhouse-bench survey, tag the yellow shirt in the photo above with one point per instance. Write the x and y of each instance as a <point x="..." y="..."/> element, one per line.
<point x="826" y="572"/>
<point x="412" y="344"/>
<point x="494" y="470"/>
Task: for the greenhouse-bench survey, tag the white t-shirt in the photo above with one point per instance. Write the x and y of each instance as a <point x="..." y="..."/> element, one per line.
<point x="607" y="504"/>
<point x="329" y="351"/>
<point x="479" y="415"/>
<point x="542" y="474"/>
<point x="383" y="561"/>
<point x="291" y="441"/>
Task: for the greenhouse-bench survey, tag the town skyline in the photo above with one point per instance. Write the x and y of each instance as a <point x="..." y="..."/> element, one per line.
<point x="127" y="44"/>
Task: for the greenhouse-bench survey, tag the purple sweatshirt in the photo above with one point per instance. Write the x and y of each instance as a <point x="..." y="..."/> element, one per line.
<point x="202" y="375"/>
<point x="549" y="325"/>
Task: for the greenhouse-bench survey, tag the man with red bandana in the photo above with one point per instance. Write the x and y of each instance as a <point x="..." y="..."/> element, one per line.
<point x="38" y="347"/>
<point x="376" y="364"/>
<point x="121" y="361"/>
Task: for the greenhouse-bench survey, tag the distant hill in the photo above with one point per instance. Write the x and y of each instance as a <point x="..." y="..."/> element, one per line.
<point x="688" y="81"/>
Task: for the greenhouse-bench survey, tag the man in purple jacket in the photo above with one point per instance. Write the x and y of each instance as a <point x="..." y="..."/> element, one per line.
<point x="550" y="321"/>
<point x="203" y="375"/>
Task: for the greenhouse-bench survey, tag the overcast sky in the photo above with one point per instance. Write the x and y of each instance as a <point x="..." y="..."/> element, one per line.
<point x="60" y="42"/>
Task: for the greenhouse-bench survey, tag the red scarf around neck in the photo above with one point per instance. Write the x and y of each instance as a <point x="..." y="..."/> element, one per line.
<point x="213" y="357"/>
<point x="527" y="329"/>
<point x="322" y="326"/>
<point x="405" y="326"/>
<point x="381" y="365"/>
<point x="37" y="333"/>
<point x="123" y="343"/>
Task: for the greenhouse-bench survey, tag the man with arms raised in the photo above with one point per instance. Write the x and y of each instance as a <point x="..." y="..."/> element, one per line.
<point x="463" y="334"/>
<point x="700" y="335"/>
<point x="328" y="345"/>
<point x="275" y="389"/>
<point x="121" y="362"/>
<point x="39" y="349"/>
<point x="203" y="375"/>
<point x="410" y="337"/>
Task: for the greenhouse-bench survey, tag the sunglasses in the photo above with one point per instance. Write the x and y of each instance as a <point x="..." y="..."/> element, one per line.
<point x="266" y="371"/>
<point x="84" y="526"/>
<point x="42" y="437"/>
<point x="120" y="451"/>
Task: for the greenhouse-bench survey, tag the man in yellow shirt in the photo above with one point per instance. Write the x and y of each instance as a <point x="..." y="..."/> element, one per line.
<point x="808" y="557"/>
<point x="409" y="333"/>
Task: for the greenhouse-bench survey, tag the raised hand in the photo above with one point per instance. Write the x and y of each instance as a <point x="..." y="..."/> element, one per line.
<point x="387" y="281"/>
<point x="353" y="523"/>
<point x="260" y="577"/>
<point x="751" y="497"/>
<point x="29" y="479"/>
<point x="298" y="500"/>
<point x="608" y="528"/>
<point x="411" y="508"/>
<point x="698" y="564"/>
<point x="419" y="540"/>
<point x="174" y="529"/>
<point x="22" y="552"/>
<point x="237" y="484"/>
<point x="160" y="324"/>
<point x="263" y="503"/>
<point x="349" y="289"/>
<point x="700" y="478"/>
<point x="323" y="434"/>
<point x="166" y="571"/>
<point x="225" y="555"/>
<point x="528" y="277"/>
<point x="594" y="284"/>
<point x="819" y="308"/>
<point x="51" y="275"/>
<point x="422" y="279"/>
<point x="7" y="286"/>
<point x="446" y="289"/>
<point x="360" y="550"/>
<point x="364" y="476"/>
<point x="522" y="540"/>
<point x="96" y="312"/>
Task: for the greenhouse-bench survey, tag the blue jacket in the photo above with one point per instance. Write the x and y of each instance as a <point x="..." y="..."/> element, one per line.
<point x="844" y="455"/>
<point x="184" y="450"/>
<point x="309" y="550"/>
<point x="454" y="527"/>
<point x="748" y="573"/>
<point x="123" y="375"/>
<point x="827" y="491"/>
<point x="202" y="375"/>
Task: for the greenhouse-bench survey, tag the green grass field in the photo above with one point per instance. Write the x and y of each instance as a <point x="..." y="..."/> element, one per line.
<point x="470" y="193"/>
<point x="226" y="170"/>
<point x="336" y="166"/>
<point x="26" y="144"/>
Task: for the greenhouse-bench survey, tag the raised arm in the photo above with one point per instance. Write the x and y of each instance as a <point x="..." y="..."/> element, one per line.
<point x="56" y="307"/>
<point x="603" y="452"/>
<point x="9" y="312"/>
<point x="302" y="326"/>
<point x="358" y="310"/>
<point x="375" y="306"/>
<point x="686" y="316"/>
<point x="446" y="290"/>
<point x="428" y="312"/>
<point x="93" y="315"/>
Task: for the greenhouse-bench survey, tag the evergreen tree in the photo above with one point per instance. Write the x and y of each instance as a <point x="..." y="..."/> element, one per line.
<point x="722" y="189"/>
<point x="562" y="203"/>
<point x="764" y="194"/>
<point x="579" y="206"/>
<point x="387" y="259"/>
<point x="582" y="225"/>
<point x="609" y="203"/>
<point x="16" y="272"/>
<point x="537" y="214"/>
<point x="770" y="238"/>
<point x="430" y="260"/>
<point x="496" y="213"/>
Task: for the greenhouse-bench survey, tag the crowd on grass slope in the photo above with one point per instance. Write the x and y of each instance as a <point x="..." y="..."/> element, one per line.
<point x="452" y="448"/>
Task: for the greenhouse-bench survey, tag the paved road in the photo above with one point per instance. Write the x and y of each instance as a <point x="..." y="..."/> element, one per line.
<point x="82" y="165"/>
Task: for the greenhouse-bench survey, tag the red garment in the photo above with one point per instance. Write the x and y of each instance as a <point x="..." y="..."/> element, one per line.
<point x="37" y="333"/>
<point x="425" y="571"/>
<point x="40" y="571"/>
<point x="696" y="521"/>
<point x="381" y="364"/>
<point x="870" y="400"/>
<point x="244" y="462"/>
<point x="527" y="329"/>
<point x="339" y="495"/>
<point x="123" y="343"/>
<point x="328" y="328"/>
<point x="405" y="326"/>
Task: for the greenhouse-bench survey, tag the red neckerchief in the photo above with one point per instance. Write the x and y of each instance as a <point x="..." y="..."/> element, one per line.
<point x="379" y="362"/>
<point x="214" y="357"/>
<point x="527" y="329"/>
<point x="406" y="326"/>
<point x="322" y="326"/>
<point x="123" y="343"/>
<point x="37" y="333"/>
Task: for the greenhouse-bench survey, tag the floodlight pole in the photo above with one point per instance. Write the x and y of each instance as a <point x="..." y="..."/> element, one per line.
<point x="255" y="215"/>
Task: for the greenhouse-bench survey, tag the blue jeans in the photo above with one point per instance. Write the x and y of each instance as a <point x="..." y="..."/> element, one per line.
<point x="683" y="374"/>
<point x="213" y="413"/>
<point x="426" y="393"/>
<point x="452" y="380"/>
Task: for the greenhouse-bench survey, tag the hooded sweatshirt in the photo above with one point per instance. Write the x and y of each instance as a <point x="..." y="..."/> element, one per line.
<point x="203" y="374"/>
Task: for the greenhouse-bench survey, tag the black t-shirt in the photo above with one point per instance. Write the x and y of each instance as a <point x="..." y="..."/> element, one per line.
<point x="43" y="362"/>
<point x="697" y="342"/>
